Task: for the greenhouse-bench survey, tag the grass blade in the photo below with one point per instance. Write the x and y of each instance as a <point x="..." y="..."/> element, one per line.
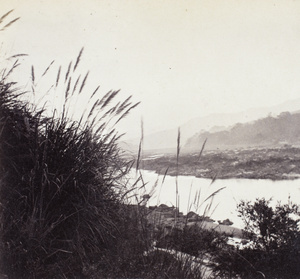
<point x="78" y="59"/>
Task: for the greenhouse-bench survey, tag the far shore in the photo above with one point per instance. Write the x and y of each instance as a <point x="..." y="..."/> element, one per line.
<point x="267" y="163"/>
<point x="244" y="175"/>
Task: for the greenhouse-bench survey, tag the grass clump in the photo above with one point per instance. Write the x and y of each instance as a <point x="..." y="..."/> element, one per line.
<point x="61" y="186"/>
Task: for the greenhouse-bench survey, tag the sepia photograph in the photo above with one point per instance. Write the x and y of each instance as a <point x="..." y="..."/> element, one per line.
<point x="150" y="139"/>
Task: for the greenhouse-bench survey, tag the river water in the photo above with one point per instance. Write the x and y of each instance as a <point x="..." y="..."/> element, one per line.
<point x="193" y="193"/>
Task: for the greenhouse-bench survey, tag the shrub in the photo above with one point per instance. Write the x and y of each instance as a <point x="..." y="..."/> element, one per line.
<point x="274" y="237"/>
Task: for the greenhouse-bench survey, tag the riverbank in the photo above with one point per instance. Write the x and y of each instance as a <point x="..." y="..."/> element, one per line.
<point x="218" y="200"/>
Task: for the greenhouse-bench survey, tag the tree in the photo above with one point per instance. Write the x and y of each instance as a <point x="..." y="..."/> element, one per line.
<point x="274" y="237"/>
<point x="269" y="228"/>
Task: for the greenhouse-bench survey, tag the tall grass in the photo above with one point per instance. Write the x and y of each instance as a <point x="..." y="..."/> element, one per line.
<point x="3" y="18"/>
<point x="61" y="182"/>
<point x="177" y="166"/>
<point x="194" y="248"/>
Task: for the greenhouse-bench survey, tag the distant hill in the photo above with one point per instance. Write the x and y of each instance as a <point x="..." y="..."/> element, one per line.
<point x="167" y="139"/>
<point x="268" y="131"/>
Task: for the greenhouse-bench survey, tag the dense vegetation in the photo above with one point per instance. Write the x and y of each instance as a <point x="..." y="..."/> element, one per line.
<point x="60" y="189"/>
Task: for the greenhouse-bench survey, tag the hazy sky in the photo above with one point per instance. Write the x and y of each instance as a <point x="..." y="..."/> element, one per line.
<point x="181" y="59"/>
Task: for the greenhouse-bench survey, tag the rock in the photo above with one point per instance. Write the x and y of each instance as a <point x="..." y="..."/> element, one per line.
<point x="226" y="222"/>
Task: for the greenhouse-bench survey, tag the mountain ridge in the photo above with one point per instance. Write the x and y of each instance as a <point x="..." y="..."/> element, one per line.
<point x="167" y="139"/>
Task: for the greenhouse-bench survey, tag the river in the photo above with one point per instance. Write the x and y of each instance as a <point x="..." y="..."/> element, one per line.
<point x="193" y="193"/>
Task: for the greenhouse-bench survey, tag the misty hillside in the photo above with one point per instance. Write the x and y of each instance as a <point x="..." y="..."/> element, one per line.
<point x="211" y="123"/>
<point x="269" y="131"/>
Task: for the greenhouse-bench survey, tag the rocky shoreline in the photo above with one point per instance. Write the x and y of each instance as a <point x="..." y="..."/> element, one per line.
<point x="168" y="217"/>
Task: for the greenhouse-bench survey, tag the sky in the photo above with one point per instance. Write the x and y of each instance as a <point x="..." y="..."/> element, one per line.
<point x="181" y="59"/>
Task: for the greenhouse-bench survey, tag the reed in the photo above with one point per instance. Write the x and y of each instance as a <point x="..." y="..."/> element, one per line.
<point x="3" y="18"/>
